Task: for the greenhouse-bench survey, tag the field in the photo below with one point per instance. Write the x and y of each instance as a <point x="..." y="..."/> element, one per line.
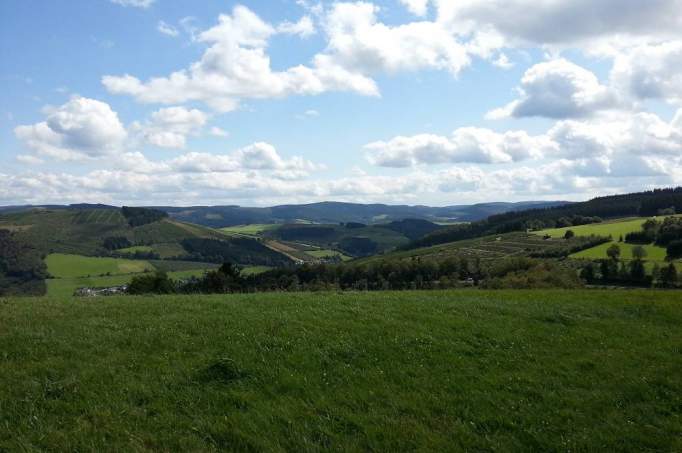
<point x="253" y="270"/>
<point x="253" y="229"/>
<point x="616" y="229"/>
<point x="328" y="254"/>
<point x="430" y="371"/>
<point x="70" y="266"/>
<point x="65" y="287"/>
<point x="654" y="253"/>
<point x="71" y="272"/>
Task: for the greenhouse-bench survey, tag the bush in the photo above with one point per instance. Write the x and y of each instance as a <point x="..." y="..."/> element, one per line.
<point x="669" y="276"/>
<point x="640" y="237"/>
<point x="674" y="250"/>
<point x="156" y="283"/>
<point x="543" y="275"/>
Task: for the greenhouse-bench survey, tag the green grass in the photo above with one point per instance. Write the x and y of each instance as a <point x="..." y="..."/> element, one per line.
<point x="70" y="266"/>
<point x="253" y="229"/>
<point x="615" y="228"/>
<point x="179" y="275"/>
<point x="135" y="249"/>
<point x="429" y="371"/>
<point x="328" y="253"/>
<point x="253" y="270"/>
<point x="654" y="253"/>
<point x="65" y="287"/>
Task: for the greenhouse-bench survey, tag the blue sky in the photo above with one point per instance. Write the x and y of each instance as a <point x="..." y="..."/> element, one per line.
<point x="283" y="101"/>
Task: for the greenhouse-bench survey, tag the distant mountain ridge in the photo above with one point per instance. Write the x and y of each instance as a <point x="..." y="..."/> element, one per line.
<point x="337" y="212"/>
<point x="323" y="212"/>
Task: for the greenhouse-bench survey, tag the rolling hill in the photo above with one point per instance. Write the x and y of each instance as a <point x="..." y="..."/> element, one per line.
<point x="86" y="242"/>
<point x="642" y="204"/>
<point x="336" y="212"/>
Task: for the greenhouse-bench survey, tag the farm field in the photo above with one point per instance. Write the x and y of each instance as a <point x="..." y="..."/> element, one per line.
<point x="434" y="371"/>
<point x="615" y="228"/>
<point x="65" y="287"/>
<point x="253" y="270"/>
<point x="250" y="230"/>
<point x="654" y="253"/>
<point x="70" y="266"/>
<point x="328" y="253"/>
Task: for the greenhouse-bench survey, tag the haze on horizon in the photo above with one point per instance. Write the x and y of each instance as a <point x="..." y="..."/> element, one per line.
<point x="430" y="102"/>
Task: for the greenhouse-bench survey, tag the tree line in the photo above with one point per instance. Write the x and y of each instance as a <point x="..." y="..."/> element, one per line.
<point x="414" y="274"/>
<point x="615" y="271"/>
<point x="655" y="202"/>
<point x="22" y="270"/>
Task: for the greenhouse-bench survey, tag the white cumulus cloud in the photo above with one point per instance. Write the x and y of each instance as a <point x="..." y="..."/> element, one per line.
<point x="651" y="71"/>
<point x="169" y="127"/>
<point x="558" y="89"/>
<point x="469" y="144"/>
<point x="236" y="66"/>
<point x="80" y="128"/>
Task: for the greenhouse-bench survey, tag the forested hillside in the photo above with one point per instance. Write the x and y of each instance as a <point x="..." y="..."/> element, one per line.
<point x="334" y="212"/>
<point x="27" y="237"/>
<point x="660" y="201"/>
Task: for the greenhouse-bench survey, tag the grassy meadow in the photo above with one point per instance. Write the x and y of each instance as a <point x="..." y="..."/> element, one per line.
<point x="430" y="371"/>
<point x="328" y="254"/>
<point x="616" y="229"/>
<point x="654" y="253"/>
<point x="71" y="272"/>
<point x="253" y="229"/>
<point x="70" y="266"/>
<point x="66" y="287"/>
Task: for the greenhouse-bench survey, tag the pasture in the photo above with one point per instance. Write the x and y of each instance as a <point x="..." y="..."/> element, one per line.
<point x="654" y="253"/>
<point x="70" y="266"/>
<point x="430" y="371"/>
<point x="328" y="253"/>
<point x="254" y="229"/>
<point x="66" y="287"/>
<point x="615" y="229"/>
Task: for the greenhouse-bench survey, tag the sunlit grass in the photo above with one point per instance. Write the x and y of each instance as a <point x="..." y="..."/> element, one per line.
<point x="431" y="371"/>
